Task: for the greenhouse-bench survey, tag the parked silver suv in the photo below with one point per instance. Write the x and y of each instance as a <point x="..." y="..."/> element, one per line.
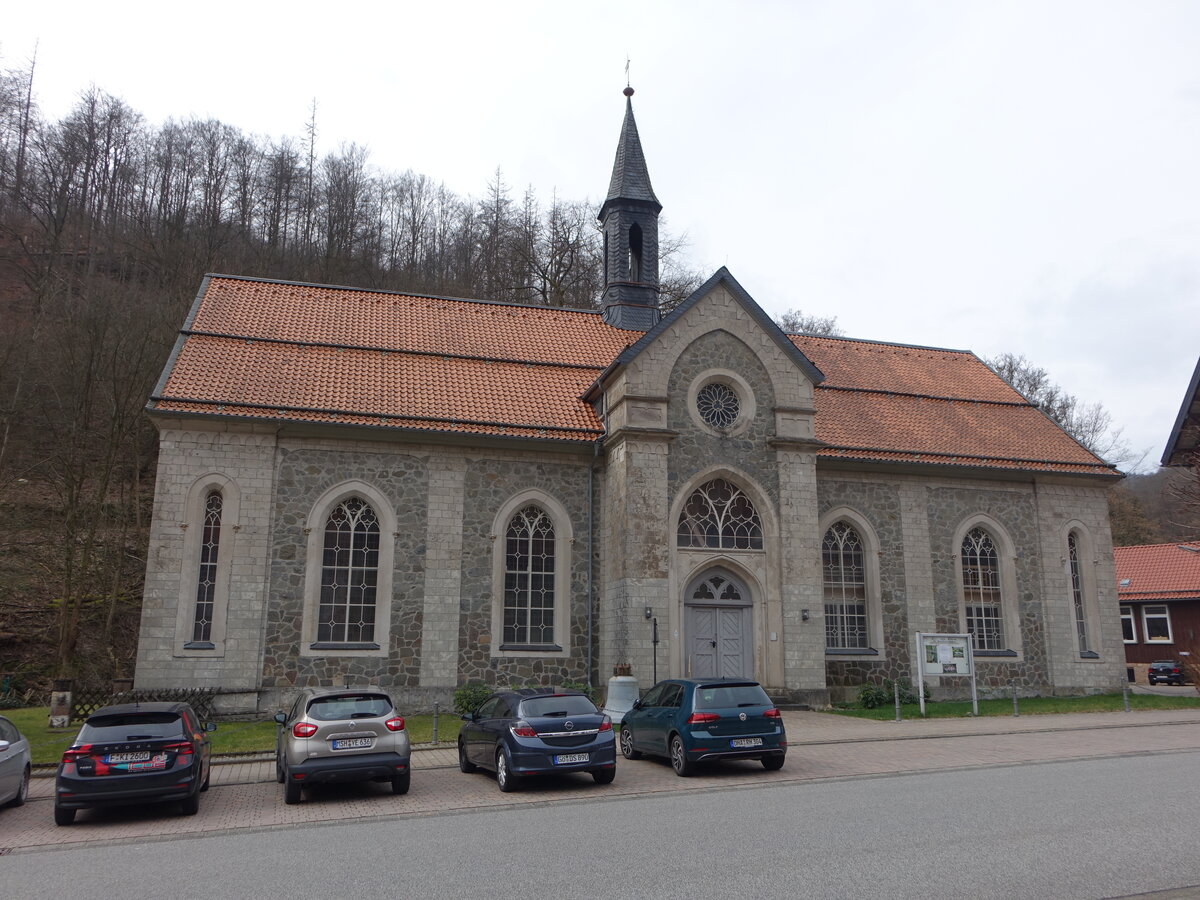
<point x="341" y="734"/>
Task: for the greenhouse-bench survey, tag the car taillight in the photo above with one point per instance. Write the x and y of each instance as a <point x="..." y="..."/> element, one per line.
<point x="701" y="718"/>
<point x="181" y="748"/>
<point x="606" y="724"/>
<point x="395" y="723"/>
<point x="75" y="754"/>
<point x="1174" y="671"/>
<point x="304" y="729"/>
<point x="523" y="729"/>
<point x="773" y="714"/>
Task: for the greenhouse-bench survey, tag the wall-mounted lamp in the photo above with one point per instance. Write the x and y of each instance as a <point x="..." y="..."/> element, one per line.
<point x="649" y="612"/>
<point x="804" y="615"/>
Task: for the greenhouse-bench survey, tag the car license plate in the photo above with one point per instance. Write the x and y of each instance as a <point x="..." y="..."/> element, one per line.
<point x="114" y="758"/>
<point x="353" y="743"/>
<point x="746" y="742"/>
<point x="157" y="762"/>
<point x="565" y="758"/>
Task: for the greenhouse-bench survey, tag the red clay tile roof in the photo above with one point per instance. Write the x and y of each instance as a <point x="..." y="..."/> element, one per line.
<point x="1158" y="571"/>
<point x="282" y="351"/>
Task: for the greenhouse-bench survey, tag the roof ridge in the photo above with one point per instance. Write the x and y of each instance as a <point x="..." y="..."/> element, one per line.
<point x="863" y="390"/>
<point x="399" y="293"/>
<point x="853" y="340"/>
<point x="513" y="360"/>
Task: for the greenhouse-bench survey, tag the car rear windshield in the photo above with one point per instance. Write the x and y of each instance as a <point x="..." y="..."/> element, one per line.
<point x="564" y="705"/>
<point x="349" y="706"/>
<point x="727" y="696"/>
<point x="130" y="727"/>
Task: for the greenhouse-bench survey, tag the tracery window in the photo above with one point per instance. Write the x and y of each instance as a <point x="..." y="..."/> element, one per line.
<point x="349" y="574"/>
<point x="719" y="516"/>
<point x="982" y="596"/>
<point x="529" y="582"/>
<point x="843" y="562"/>
<point x="206" y="582"/>
<point x="1077" y="592"/>
<point x="718" y="405"/>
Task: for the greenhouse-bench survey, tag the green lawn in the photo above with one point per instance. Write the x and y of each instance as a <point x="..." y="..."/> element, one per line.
<point x="47" y="744"/>
<point x="1029" y="706"/>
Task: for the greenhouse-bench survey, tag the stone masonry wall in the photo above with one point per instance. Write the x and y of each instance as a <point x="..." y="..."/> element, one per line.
<point x="488" y="484"/>
<point x="879" y="504"/>
<point x="245" y="458"/>
<point x="303" y="475"/>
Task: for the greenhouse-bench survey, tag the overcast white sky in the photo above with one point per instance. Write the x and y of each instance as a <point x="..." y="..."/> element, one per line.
<point x="1017" y="176"/>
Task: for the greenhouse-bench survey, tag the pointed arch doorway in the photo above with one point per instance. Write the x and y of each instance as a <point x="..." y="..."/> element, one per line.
<point x="717" y="627"/>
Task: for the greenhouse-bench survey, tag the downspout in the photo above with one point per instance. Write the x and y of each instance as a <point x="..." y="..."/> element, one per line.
<point x="591" y="561"/>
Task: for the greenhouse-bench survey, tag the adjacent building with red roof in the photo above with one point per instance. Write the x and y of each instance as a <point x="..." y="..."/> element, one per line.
<point x="1158" y="586"/>
<point x="418" y="492"/>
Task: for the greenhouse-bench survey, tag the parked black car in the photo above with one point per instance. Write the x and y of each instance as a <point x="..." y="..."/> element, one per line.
<point x="689" y="720"/>
<point x="534" y="731"/>
<point x="1168" y="670"/>
<point x="135" y="753"/>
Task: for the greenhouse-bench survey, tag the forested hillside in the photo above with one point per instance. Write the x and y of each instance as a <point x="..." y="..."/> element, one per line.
<point x="107" y="225"/>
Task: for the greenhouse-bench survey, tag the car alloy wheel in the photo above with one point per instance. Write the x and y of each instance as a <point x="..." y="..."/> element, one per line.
<point x="505" y="780"/>
<point x="679" y="760"/>
<point x="464" y="764"/>
<point x="627" y="750"/>
<point x="22" y="791"/>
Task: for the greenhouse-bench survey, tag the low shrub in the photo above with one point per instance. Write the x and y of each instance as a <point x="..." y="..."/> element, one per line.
<point x="469" y="696"/>
<point x="873" y="696"/>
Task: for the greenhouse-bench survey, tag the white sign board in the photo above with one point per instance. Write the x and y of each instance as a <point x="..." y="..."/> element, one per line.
<point x="945" y="656"/>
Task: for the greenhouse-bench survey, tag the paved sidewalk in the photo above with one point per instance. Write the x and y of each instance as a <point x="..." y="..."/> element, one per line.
<point x="823" y="747"/>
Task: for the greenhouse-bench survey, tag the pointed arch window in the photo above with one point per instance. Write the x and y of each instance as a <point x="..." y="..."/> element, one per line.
<point x="349" y="575"/>
<point x="719" y="516"/>
<point x="206" y="584"/>
<point x="844" y="565"/>
<point x="982" y="595"/>
<point x="1077" y="598"/>
<point x="529" y="579"/>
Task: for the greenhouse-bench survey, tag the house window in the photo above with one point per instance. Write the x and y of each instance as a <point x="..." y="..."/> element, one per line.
<point x="349" y="575"/>
<point x="1156" y="624"/>
<point x="206" y="586"/>
<point x="842" y="560"/>
<point x="719" y="516"/>
<point x="1077" y="592"/>
<point x="982" y="597"/>
<point x="529" y="580"/>
<point x="1128" y="628"/>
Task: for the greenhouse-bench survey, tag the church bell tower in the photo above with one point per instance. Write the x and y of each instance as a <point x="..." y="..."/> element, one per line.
<point x="629" y="220"/>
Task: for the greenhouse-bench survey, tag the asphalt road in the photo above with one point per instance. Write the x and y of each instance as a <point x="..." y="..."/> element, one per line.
<point x="1081" y="829"/>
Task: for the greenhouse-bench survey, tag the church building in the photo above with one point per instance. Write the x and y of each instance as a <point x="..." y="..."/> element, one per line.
<point x="359" y="486"/>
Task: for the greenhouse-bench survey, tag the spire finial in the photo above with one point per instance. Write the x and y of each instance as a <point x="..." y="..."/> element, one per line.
<point x="628" y="92"/>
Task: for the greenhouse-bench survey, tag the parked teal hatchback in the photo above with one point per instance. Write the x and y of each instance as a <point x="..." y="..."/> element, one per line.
<point x="691" y="720"/>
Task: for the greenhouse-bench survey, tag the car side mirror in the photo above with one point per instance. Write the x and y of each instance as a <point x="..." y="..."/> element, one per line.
<point x="280" y="718"/>
<point x="468" y="717"/>
<point x="4" y="745"/>
<point x="637" y="704"/>
<point x="210" y="726"/>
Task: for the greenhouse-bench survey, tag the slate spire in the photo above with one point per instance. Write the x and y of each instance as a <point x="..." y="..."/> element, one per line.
<point x="629" y="220"/>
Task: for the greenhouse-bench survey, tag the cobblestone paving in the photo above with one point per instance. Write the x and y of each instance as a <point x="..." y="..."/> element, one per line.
<point x="822" y="746"/>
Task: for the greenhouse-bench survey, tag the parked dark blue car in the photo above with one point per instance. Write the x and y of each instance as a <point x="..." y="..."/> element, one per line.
<point x="534" y="731"/>
<point x="690" y="720"/>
